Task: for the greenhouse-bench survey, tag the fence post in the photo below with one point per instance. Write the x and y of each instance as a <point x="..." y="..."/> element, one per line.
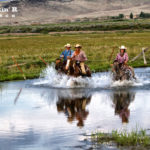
<point x="15" y="62"/>
<point x="143" y="51"/>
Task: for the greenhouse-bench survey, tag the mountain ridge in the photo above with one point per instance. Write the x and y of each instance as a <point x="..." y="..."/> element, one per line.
<point x="52" y="11"/>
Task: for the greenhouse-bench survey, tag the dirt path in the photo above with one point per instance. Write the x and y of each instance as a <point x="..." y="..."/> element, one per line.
<point x="19" y="34"/>
<point x="76" y="32"/>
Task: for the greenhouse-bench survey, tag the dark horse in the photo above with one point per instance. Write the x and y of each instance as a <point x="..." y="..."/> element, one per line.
<point x="74" y="68"/>
<point x="121" y="102"/>
<point x="74" y="109"/>
<point x="122" y="72"/>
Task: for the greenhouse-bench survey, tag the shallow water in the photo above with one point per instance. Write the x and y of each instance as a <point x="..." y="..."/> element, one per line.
<point x="54" y="112"/>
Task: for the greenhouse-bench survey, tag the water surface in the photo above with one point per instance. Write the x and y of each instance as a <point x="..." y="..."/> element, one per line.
<point x="52" y="113"/>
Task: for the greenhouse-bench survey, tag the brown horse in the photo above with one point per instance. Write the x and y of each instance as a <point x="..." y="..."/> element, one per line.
<point x="74" y="68"/>
<point x="122" y="72"/>
<point x="74" y="109"/>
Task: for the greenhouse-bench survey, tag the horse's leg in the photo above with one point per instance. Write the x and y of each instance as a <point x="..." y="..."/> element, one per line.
<point x="132" y="71"/>
<point x="116" y="71"/>
<point x="76" y="71"/>
<point x="71" y="68"/>
<point x="124" y="77"/>
<point x="88" y="72"/>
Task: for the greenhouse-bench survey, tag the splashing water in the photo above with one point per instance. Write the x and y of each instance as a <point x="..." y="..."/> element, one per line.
<point x="49" y="77"/>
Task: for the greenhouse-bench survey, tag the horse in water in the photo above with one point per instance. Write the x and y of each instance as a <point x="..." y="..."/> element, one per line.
<point x="73" y="69"/>
<point x="122" y="72"/>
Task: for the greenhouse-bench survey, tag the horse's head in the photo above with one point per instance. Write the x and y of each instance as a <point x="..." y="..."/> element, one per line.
<point x="70" y="66"/>
<point x="70" y="62"/>
<point x="116" y="67"/>
<point x="58" y="64"/>
<point x="58" y="60"/>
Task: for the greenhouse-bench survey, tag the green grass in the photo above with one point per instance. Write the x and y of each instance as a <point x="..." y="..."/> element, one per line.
<point x="97" y="46"/>
<point x="123" y="138"/>
<point x="97" y="25"/>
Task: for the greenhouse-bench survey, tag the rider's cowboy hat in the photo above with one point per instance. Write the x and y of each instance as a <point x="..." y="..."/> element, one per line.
<point x="78" y="46"/>
<point x="67" y="45"/>
<point x="123" y="47"/>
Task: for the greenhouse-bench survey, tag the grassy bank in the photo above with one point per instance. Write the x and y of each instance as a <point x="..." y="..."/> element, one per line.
<point x="98" y="47"/>
<point x="123" y="138"/>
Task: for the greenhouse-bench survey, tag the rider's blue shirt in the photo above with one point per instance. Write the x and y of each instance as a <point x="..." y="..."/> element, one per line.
<point x="66" y="53"/>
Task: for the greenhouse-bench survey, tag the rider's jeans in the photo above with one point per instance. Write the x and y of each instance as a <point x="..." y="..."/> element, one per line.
<point x="82" y="67"/>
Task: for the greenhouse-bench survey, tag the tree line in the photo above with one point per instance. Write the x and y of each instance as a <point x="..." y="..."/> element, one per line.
<point x="131" y="16"/>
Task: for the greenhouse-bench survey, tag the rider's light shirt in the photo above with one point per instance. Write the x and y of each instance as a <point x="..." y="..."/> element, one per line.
<point x="66" y="53"/>
<point x="80" y="57"/>
<point x="122" y="59"/>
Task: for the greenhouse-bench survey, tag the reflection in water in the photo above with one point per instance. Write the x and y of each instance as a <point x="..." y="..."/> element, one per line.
<point x="121" y="101"/>
<point x="74" y="108"/>
<point x="17" y="97"/>
<point x="73" y="103"/>
<point x="30" y="120"/>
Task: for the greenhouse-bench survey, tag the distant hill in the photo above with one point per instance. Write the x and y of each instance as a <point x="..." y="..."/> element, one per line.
<point x="48" y="11"/>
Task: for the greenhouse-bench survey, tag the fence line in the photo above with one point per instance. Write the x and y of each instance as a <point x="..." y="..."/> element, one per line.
<point x="144" y="50"/>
